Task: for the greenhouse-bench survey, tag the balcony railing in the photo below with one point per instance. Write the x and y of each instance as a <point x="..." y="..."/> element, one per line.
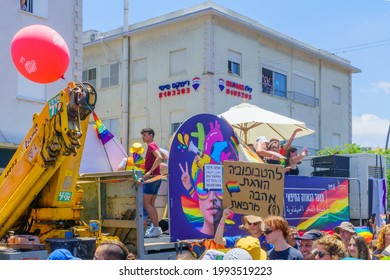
<point x="292" y="95"/>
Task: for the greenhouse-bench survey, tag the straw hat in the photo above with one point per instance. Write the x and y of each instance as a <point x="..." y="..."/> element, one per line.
<point x="137" y="148"/>
<point x="251" y="219"/>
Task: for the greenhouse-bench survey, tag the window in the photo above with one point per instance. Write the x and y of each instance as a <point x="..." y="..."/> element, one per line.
<point x="29" y="90"/>
<point x="303" y="89"/>
<point x="26" y="5"/>
<point x="178" y="61"/>
<point x="109" y="75"/>
<point x="112" y="125"/>
<point x="280" y="84"/>
<point x="90" y="76"/>
<point x="336" y="95"/>
<point x="175" y="127"/>
<point x="37" y="7"/>
<point x="5" y="156"/>
<point x="274" y="83"/>
<point x="139" y="70"/>
<point x="234" y="63"/>
<point x="303" y="85"/>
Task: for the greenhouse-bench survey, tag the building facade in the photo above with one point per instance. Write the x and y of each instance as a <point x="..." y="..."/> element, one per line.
<point x="207" y="59"/>
<point x="20" y="97"/>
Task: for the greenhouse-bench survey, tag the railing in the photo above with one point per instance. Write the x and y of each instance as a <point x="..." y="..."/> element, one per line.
<point x="303" y="98"/>
<point x="292" y="95"/>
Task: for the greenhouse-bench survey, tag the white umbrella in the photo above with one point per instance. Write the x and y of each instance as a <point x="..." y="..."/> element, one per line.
<point x="250" y="122"/>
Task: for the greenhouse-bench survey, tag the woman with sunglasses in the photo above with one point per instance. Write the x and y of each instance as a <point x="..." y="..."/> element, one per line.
<point x="253" y="225"/>
<point x="329" y="247"/>
<point x="276" y="231"/>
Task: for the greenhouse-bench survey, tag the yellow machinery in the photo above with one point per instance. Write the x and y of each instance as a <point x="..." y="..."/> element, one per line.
<point x="38" y="190"/>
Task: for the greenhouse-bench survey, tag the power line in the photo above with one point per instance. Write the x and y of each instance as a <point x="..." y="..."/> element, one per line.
<point x="362" y="46"/>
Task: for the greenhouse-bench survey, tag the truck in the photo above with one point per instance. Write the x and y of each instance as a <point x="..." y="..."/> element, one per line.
<point x="45" y="201"/>
<point x="39" y="197"/>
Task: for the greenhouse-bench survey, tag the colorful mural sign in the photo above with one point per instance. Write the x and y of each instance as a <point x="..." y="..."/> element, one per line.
<point x="315" y="202"/>
<point x="253" y="188"/>
<point x="199" y="148"/>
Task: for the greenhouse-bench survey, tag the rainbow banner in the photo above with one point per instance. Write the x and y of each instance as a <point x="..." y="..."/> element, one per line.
<point x="232" y="187"/>
<point x="103" y="152"/>
<point x="315" y="202"/>
<point x="103" y="133"/>
<point x="365" y="232"/>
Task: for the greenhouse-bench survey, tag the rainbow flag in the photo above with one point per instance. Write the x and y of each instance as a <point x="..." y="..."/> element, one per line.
<point x="103" y="133"/>
<point x="335" y="207"/>
<point x="365" y="232"/>
<point x="232" y="187"/>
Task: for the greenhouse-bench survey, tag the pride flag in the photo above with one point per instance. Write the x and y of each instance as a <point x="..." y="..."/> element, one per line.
<point x="103" y="152"/>
<point x="328" y="213"/>
<point x="365" y="232"/>
<point x="103" y="133"/>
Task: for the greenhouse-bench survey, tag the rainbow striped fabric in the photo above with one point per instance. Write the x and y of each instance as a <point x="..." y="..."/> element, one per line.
<point x="103" y="133"/>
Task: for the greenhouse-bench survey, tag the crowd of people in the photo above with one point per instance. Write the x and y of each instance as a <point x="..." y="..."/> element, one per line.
<point x="283" y="242"/>
<point x="271" y="238"/>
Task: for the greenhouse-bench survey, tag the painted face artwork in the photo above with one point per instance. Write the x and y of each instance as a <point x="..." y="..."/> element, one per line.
<point x="201" y="142"/>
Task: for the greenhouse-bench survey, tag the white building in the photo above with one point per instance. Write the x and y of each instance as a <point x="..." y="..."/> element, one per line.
<point x="20" y="97"/>
<point x="140" y="70"/>
<point x="213" y="56"/>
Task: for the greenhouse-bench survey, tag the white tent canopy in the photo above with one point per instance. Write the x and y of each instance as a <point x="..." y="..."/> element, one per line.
<point x="98" y="157"/>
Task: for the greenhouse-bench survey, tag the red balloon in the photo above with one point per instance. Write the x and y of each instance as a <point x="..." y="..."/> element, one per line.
<point x="40" y="54"/>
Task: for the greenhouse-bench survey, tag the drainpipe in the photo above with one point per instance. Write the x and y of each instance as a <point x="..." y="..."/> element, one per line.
<point x="125" y="77"/>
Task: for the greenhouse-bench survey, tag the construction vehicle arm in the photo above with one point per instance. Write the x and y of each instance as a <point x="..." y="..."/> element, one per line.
<point x="38" y="189"/>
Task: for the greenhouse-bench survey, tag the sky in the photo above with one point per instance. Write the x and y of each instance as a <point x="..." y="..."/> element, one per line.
<point x="356" y="30"/>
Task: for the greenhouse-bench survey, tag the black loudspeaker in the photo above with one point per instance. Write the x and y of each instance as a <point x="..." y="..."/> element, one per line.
<point x="331" y="173"/>
<point x="330" y="166"/>
<point x="331" y="162"/>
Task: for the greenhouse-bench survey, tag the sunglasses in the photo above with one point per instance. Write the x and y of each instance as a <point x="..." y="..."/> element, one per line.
<point x="255" y="224"/>
<point x="268" y="231"/>
<point x="320" y="254"/>
<point x="204" y="194"/>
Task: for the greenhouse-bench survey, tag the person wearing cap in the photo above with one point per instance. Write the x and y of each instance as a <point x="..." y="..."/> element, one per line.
<point x="153" y="159"/>
<point x="276" y="230"/>
<point x="279" y="151"/>
<point x="135" y="161"/>
<point x="307" y="243"/>
<point x="61" y="255"/>
<point x="252" y="246"/>
<point x="253" y="225"/>
<point x="261" y="149"/>
<point x="237" y="254"/>
<point x="345" y="230"/>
